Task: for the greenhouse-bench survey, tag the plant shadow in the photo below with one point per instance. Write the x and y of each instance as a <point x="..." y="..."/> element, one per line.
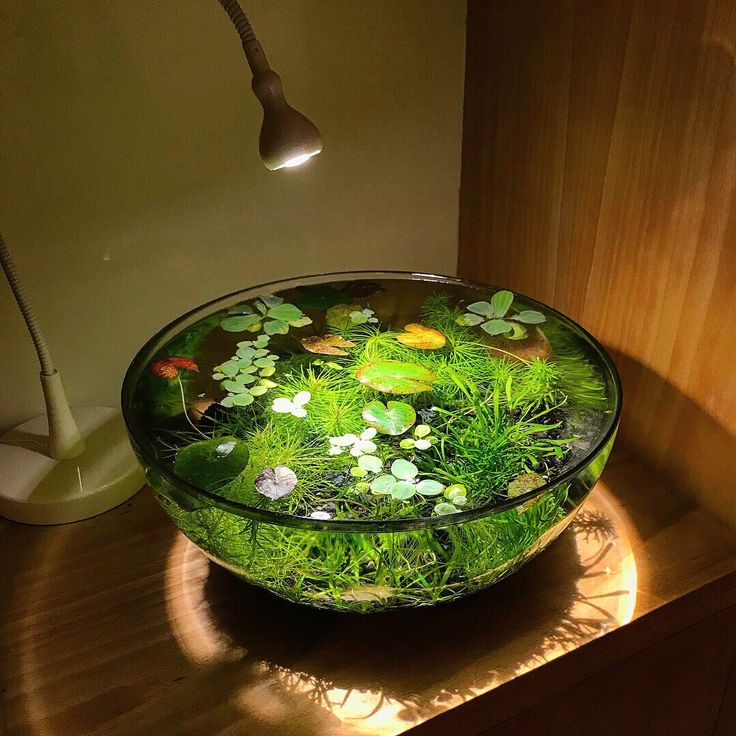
<point x="496" y="633"/>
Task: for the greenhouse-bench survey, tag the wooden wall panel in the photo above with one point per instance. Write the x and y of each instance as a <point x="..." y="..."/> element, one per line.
<point x="599" y="175"/>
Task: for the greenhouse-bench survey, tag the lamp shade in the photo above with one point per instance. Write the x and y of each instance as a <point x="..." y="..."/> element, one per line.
<point x="287" y="137"/>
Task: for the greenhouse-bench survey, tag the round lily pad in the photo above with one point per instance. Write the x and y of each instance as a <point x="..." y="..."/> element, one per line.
<point x="421" y="337"/>
<point x="393" y="418"/>
<point x="210" y="464"/>
<point x="396" y="377"/>
<point x="326" y="344"/>
<point x="276" y="482"/>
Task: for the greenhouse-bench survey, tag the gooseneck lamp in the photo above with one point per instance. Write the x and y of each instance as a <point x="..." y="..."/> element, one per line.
<point x="287" y="138"/>
<point x="69" y="465"/>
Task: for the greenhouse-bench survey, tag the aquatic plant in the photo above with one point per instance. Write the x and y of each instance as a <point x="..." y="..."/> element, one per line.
<point x="360" y="419"/>
<point x="393" y="417"/>
<point x="271" y="313"/>
<point x="396" y="377"/>
<point x="421" y="337"/>
<point x="295" y="406"/>
<point x="493" y="317"/>
<point x="422" y="439"/>
<point x="274" y="483"/>
<point x="344" y="316"/>
<point x="357" y="445"/>
<point x="403" y="482"/>
<point x="246" y="374"/>
<point x="170" y="366"/>
<point x="211" y="464"/>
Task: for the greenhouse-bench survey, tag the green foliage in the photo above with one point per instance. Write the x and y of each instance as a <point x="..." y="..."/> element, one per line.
<point x="394" y="417"/>
<point x="270" y="313"/>
<point x="493" y="317"/>
<point x="471" y="427"/>
<point x="245" y="375"/>
<point x="396" y="377"/>
<point x="211" y="464"/>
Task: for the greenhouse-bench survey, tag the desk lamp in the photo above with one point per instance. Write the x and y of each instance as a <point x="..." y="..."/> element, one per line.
<point x="69" y="465"/>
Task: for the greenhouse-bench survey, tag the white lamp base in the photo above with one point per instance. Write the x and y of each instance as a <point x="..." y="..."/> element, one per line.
<point x="36" y="489"/>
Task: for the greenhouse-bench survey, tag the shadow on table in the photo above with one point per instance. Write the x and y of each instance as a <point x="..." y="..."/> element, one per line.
<point x="330" y="657"/>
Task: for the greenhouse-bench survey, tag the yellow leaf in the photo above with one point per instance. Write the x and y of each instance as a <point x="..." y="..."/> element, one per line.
<point x="421" y="337"/>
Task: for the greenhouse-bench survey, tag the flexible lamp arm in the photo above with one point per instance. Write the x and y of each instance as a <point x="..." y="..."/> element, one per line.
<point x="65" y="440"/>
<point x="39" y="341"/>
<point x="253" y="52"/>
<point x="287" y="138"/>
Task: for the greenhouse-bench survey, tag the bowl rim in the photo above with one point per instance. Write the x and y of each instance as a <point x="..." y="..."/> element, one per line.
<point x="165" y="334"/>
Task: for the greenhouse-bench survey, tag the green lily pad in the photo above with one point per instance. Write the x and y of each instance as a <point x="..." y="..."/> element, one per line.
<point x="339" y="316"/>
<point x="396" y="377"/>
<point x="210" y="464"/>
<point x="393" y="418"/>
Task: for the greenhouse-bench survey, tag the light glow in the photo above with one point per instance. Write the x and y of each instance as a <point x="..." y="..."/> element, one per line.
<point x="297" y="160"/>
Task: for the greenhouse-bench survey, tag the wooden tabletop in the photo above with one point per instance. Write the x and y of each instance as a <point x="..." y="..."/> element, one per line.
<point x="119" y="626"/>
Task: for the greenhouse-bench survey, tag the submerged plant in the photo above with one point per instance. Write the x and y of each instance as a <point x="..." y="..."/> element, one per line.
<point x="493" y="317"/>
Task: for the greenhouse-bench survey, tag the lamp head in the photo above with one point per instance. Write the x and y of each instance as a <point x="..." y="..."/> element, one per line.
<point x="288" y="138"/>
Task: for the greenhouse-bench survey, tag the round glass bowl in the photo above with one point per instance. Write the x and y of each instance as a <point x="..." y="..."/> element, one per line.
<point x="369" y="440"/>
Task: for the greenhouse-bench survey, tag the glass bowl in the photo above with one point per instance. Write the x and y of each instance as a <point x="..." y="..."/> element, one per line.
<point x="369" y="440"/>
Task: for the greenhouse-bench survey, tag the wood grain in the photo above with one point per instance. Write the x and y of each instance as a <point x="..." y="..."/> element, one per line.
<point x="118" y="626"/>
<point x="599" y="175"/>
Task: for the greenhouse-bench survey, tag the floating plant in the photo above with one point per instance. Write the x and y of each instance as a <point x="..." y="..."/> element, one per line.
<point x="422" y="439"/>
<point x="403" y="482"/>
<point x="421" y="337"/>
<point x="270" y="313"/>
<point x="274" y="483"/>
<point x="396" y="377"/>
<point x="393" y="417"/>
<point x="494" y="317"/>
<point x="345" y="316"/>
<point x="380" y="450"/>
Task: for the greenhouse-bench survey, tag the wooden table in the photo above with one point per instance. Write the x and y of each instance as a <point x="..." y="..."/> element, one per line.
<point x="119" y="626"/>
